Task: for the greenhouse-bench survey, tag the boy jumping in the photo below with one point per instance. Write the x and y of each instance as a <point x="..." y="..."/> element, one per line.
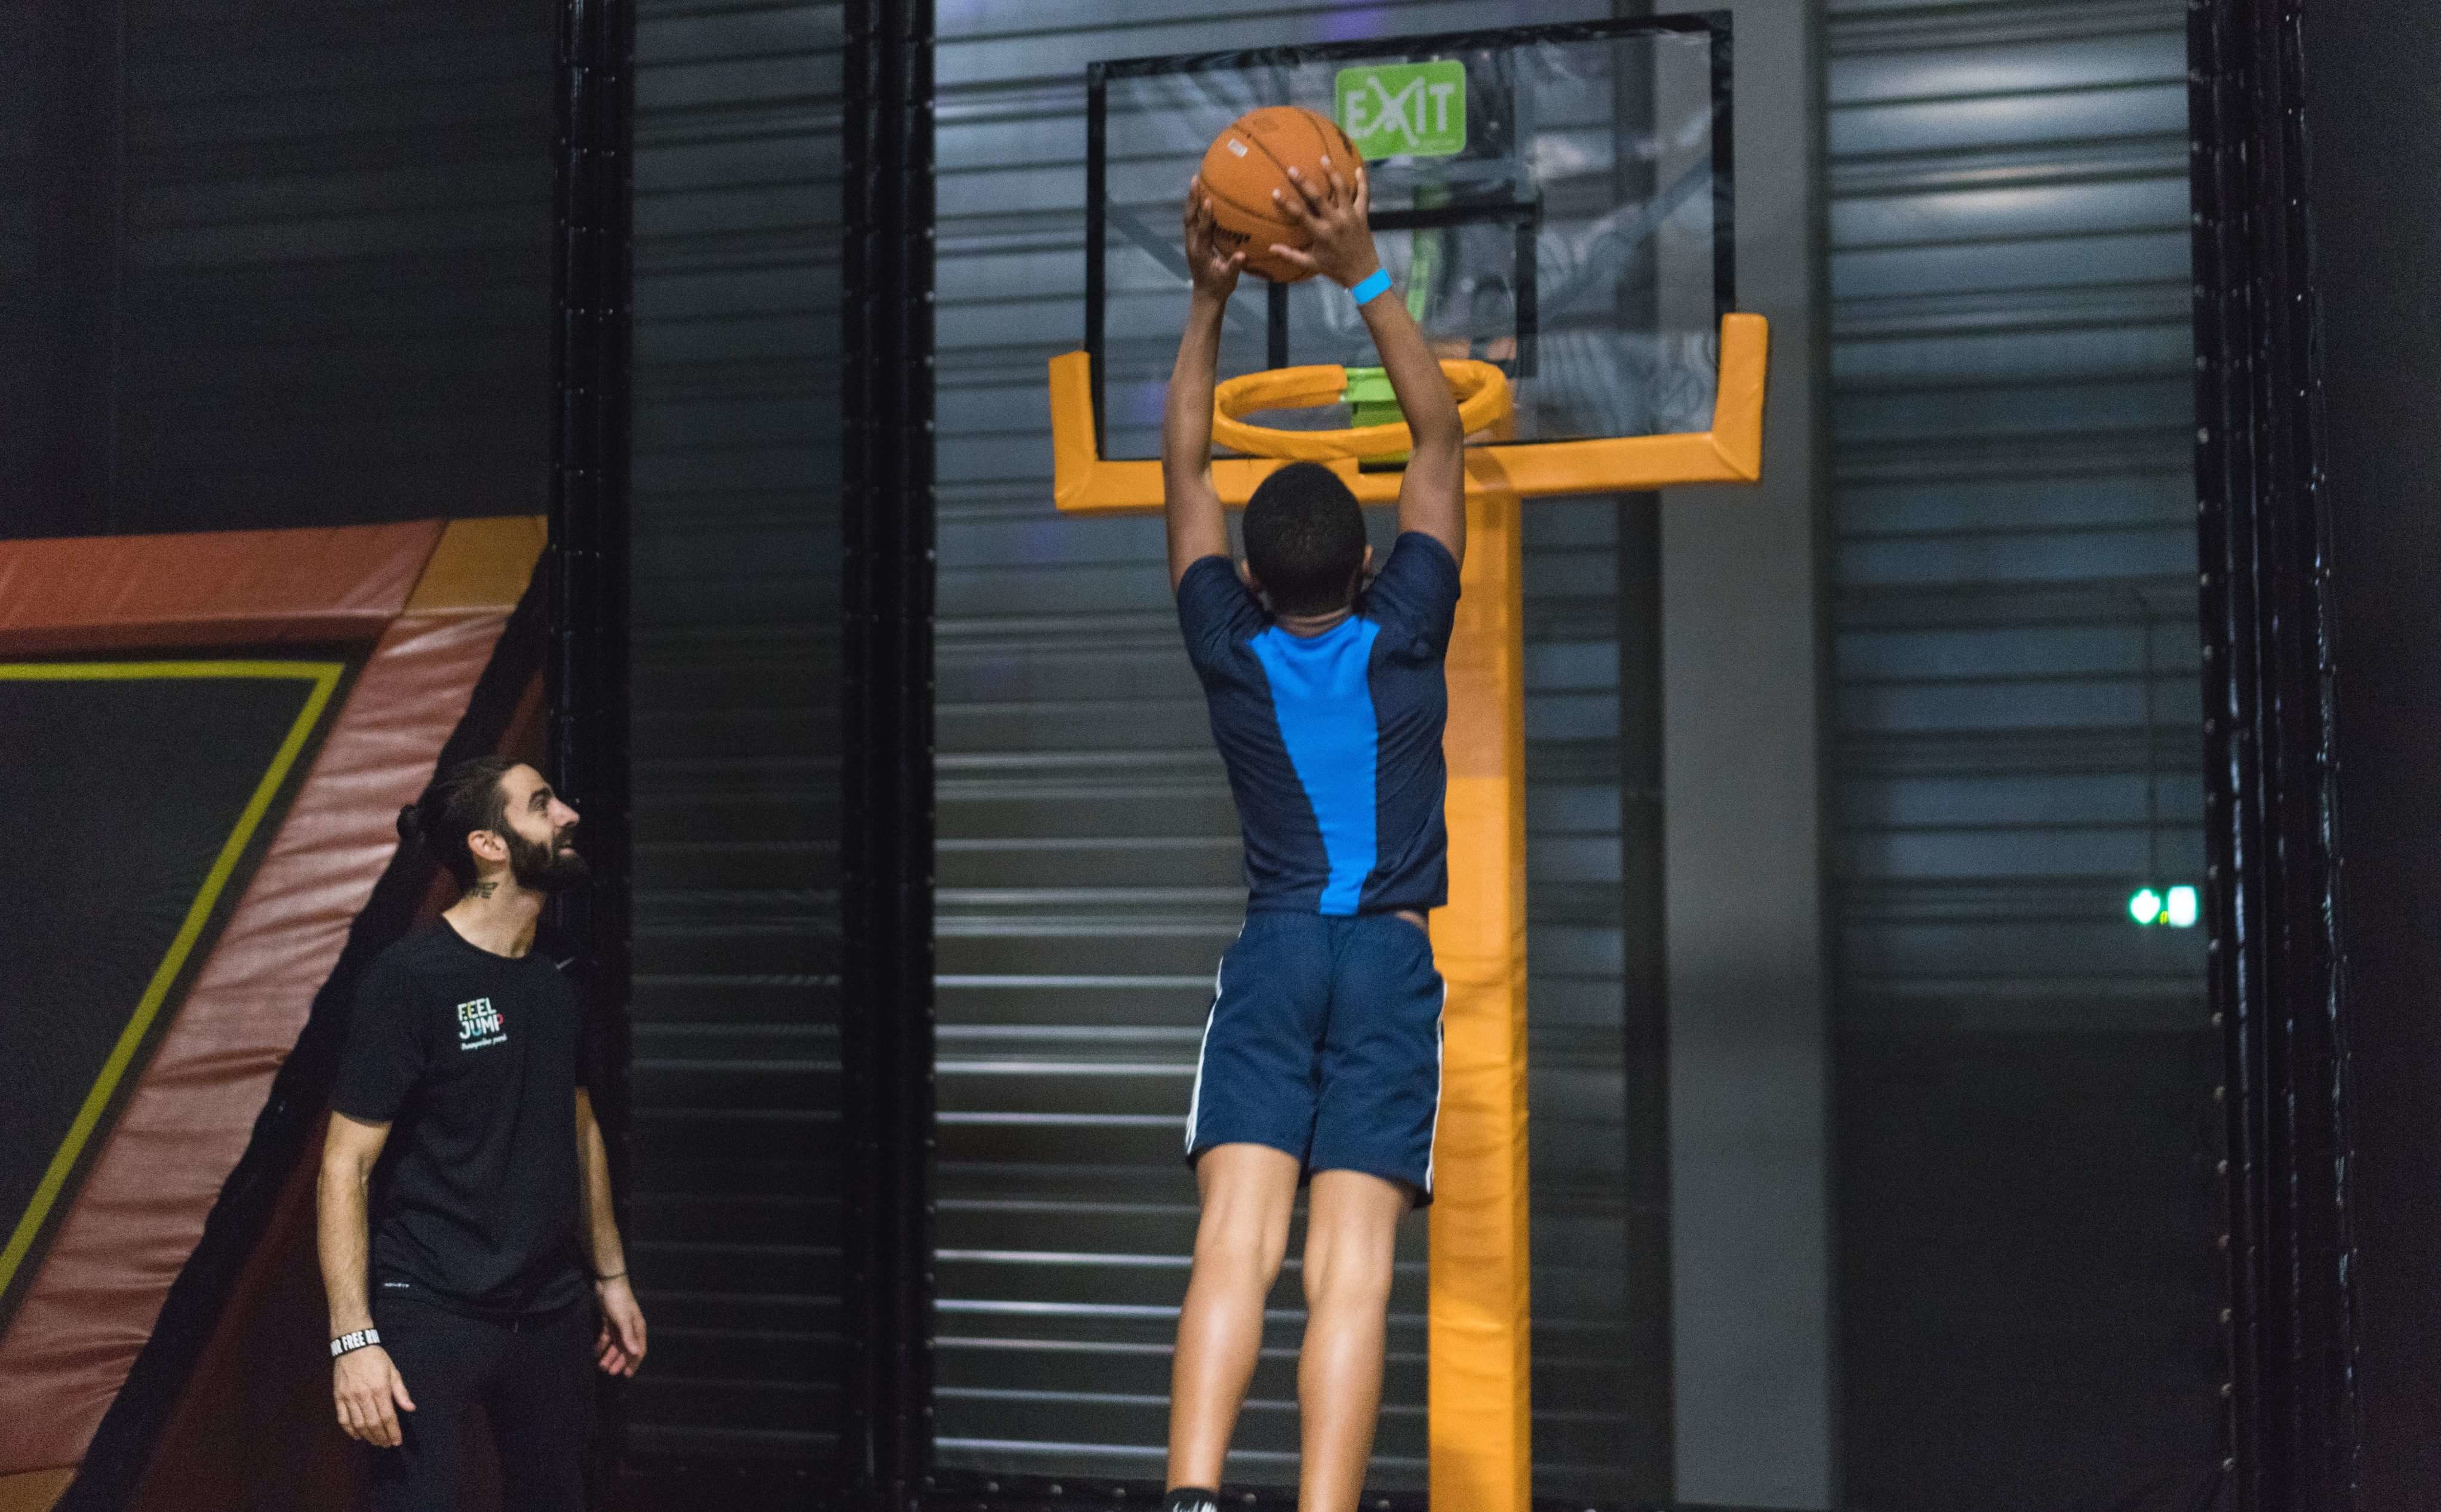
<point x="1320" y="1059"/>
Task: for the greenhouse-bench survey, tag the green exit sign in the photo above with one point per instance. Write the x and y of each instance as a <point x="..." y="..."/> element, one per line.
<point x="1404" y="110"/>
<point x="2177" y="908"/>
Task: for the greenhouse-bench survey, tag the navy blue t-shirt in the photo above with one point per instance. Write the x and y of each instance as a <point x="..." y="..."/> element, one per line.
<point x="1334" y="742"/>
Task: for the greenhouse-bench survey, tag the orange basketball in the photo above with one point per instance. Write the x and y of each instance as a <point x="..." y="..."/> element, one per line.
<point x="1250" y="160"/>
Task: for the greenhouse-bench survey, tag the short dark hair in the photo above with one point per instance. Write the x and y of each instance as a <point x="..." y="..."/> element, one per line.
<point x="466" y="798"/>
<point x="1305" y="539"/>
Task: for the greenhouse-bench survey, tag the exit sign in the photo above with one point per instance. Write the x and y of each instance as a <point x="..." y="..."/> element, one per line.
<point x="1404" y="110"/>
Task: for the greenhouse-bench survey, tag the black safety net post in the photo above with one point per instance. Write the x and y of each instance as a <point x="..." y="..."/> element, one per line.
<point x="2270" y="871"/>
<point x="586" y="569"/>
<point x="886" y="1002"/>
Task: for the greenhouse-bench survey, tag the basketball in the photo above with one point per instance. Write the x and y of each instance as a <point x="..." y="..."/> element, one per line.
<point x="1251" y="158"/>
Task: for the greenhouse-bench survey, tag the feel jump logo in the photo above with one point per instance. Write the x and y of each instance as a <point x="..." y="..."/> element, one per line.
<point x="479" y="1024"/>
<point x="1404" y="110"/>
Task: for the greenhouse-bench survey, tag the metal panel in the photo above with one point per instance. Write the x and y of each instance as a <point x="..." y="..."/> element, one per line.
<point x="290" y="265"/>
<point x="2024" y="1092"/>
<point x="1088" y="857"/>
<point x="736" y="605"/>
<point x="336" y="268"/>
<point x="1602" y="1379"/>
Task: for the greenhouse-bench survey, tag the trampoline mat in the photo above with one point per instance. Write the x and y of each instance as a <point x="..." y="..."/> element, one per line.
<point x="133" y="796"/>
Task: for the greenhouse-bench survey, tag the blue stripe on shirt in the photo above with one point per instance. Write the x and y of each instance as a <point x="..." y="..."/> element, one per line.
<point x="1324" y="702"/>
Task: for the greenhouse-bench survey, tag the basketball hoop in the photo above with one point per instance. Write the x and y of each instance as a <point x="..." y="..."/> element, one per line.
<point x="1481" y="389"/>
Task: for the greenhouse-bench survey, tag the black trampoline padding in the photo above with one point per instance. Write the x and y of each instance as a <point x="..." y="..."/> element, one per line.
<point x="132" y="797"/>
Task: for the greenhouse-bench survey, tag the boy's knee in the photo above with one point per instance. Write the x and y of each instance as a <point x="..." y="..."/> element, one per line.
<point x="1347" y="1276"/>
<point x="1241" y="1241"/>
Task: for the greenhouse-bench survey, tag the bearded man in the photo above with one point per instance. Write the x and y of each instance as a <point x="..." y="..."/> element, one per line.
<point x="468" y="1247"/>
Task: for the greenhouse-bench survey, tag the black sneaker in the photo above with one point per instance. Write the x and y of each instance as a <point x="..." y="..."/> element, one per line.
<point x="1189" y="1499"/>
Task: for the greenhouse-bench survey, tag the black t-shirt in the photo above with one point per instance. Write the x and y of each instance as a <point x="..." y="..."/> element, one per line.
<point x="474" y="1059"/>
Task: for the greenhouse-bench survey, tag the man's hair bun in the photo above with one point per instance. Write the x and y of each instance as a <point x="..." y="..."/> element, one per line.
<point x="464" y="798"/>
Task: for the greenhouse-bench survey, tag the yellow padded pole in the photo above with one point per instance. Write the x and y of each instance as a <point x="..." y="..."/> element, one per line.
<point x="1480" y="1421"/>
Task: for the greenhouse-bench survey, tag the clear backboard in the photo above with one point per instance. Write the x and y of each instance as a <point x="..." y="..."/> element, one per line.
<point x="1552" y="200"/>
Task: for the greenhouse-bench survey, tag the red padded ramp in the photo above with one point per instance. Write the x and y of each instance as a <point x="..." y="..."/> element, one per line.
<point x="188" y="592"/>
<point x="424" y="606"/>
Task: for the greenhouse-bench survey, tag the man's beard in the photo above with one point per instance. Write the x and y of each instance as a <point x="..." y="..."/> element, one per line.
<point x="541" y="866"/>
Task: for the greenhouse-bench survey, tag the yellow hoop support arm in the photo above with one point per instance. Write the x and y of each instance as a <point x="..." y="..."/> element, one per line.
<point x="1731" y="452"/>
<point x="1481" y="389"/>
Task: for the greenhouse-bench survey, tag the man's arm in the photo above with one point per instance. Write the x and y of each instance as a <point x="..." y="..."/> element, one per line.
<point x="365" y="1385"/>
<point x="1189" y="502"/>
<point x="1432" y="495"/>
<point x="620" y="1346"/>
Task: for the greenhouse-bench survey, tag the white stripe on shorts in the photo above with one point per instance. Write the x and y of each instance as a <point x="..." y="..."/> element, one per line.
<point x="1195" y="1099"/>
<point x="1432" y="1146"/>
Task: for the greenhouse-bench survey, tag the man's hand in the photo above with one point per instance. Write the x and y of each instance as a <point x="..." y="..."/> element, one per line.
<point x="620" y="1348"/>
<point x="1333" y="213"/>
<point x="1213" y="272"/>
<point x="369" y="1396"/>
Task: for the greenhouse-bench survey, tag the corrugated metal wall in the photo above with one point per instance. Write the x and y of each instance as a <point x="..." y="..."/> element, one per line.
<point x="2024" y="1074"/>
<point x="1088" y="853"/>
<point x="736" y="1214"/>
<point x="338" y="284"/>
<point x="274" y="265"/>
<point x="23" y="339"/>
<point x="1590" y="1385"/>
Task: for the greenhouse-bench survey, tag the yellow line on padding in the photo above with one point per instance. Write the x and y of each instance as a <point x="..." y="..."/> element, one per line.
<point x="324" y="672"/>
<point x="325" y="677"/>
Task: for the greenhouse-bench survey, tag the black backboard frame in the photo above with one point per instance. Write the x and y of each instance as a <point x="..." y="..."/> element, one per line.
<point x="1717" y="25"/>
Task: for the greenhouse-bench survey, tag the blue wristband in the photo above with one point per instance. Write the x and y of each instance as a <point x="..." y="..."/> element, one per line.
<point x="1372" y="288"/>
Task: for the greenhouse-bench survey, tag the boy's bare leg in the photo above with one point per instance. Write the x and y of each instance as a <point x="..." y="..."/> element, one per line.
<point x="1249" y="1192"/>
<point x="1351" y="1229"/>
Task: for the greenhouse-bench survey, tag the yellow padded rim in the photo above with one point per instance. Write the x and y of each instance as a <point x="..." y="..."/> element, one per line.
<point x="1483" y="399"/>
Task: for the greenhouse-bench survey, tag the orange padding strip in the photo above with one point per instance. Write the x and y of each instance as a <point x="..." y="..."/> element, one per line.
<point x="1730" y="451"/>
<point x="34" y="1490"/>
<point x="1480" y="1411"/>
<point x="86" y="594"/>
<point x="1481" y="389"/>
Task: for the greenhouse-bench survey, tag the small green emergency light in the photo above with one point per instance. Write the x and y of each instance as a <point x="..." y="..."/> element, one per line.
<point x="2177" y="908"/>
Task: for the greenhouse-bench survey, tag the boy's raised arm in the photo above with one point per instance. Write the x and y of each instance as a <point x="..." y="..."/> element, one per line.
<point x="1189" y="503"/>
<point x="1432" y="494"/>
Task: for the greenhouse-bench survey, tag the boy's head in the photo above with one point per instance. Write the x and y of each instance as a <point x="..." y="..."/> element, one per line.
<point x="1305" y="540"/>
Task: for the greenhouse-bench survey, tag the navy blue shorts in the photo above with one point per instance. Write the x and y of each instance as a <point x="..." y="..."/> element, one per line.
<point x="1324" y="1041"/>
